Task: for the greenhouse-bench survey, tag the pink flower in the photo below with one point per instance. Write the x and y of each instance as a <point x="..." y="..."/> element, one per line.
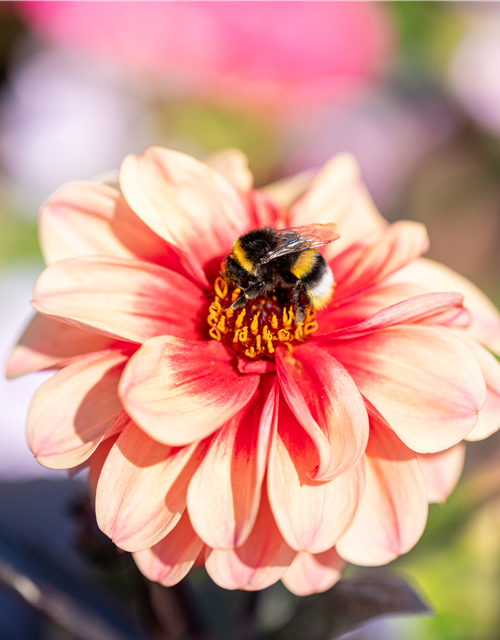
<point x="322" y="445"/>
<point x="267" y="52"/>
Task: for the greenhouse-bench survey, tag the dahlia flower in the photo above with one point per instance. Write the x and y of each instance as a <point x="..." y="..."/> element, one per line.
<point x="263" y="448"/>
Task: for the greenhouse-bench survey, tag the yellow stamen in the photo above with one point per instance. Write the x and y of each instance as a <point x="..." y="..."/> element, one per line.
<point x="299" y="333"/>
<point x="250" y="353"/>
<point x="215" y="334"/>
<point x="310" y="315"/>
<point x="266" y="334"/>
<point x="236" y="335"/>
<point x="220" y="287"/>
<point x="235" y="294"/>
<point x="243" y="334"/>
<point x="254" y="327"/>
<point x="310" y="327"/>
<point x="258" y="343"/>
<point x="229" y="312"/>
<point x="270" y="347"/>
<point x="221" y="326"/>
<point x="283" y="335"/>
<point x="274" y="322"/>
<point x="240" y="318"/>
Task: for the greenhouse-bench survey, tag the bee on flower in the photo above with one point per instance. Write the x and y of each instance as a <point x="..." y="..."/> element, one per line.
<point x="265" y="426"/>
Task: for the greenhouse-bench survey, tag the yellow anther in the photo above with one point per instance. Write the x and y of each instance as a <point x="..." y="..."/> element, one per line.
<point x="250" y="353"/>
<point x="235" y="294"/>
<point x="254" y="327"/>
<point x="274" y="322"/>
<point x="283" y="335"/>
<point x="291" y="314"/>
<point x="212" y="319"/>
<point x="215" y="334"/>
<point x="285" y="317"/>
<point x="270" y="347"/>
<point x="310" y="327"/>
<point x="215" y="307"/>
<point x="266" y="335"/>
<point x="243" y="334"/>
<point x="310" y="315"/>
<point x="229" y="313"/>
<point x="220" y="287"/>
<point x="239" y="319"/>
<point x="236" y="335"/>
<point x="299" y="333"/>
<point x="221" y="325"/>
<point x="258" y="343"/>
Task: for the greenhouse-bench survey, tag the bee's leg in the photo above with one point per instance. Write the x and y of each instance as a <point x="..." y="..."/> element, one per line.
<point x="300" y="312"/>
<point x="240" y="301"/>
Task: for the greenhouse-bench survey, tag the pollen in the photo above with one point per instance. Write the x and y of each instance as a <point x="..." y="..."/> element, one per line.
<point x="262" y="325"/>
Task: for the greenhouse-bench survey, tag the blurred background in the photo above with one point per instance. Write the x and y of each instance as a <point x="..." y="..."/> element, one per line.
<point x="412" y="89"/>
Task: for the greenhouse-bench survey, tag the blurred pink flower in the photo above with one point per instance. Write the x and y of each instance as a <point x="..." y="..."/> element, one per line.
<point x="326" y="451"/>
<point x="272" y="52"/>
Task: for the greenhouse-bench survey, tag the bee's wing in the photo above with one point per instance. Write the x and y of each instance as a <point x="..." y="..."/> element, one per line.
<point x="296" y="239"/>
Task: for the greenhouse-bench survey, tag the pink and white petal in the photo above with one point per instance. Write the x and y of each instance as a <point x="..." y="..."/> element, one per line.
<point x="371" y="260"/>
<point x="442" y="470"/>
<point x="311" y="515"/>
<point x="179" y="391"/>
<point x="224" y="494"/>
<point x="264" y="212"/>
<point x="338" y="195"/>
<point x="489" y="417"/>
<point x="424" y="381"/>
<point x="393" y="513"/>
<point x="47" y="343"/>
<point x="233" y="164"/>
<point x="142" y="488"/>
<point x="71" y="412"/>
<point x="258" y="563"/>
<point x="121" y="298"/>
<point x="432" y="276"/>
<point x="313" y="573"/>
<point x="96" y="462"/>
<point x="184" y="201"/>
<point x="425" y="307"/>
<point x="324" y="397"/>
<point x="170" y="560"/>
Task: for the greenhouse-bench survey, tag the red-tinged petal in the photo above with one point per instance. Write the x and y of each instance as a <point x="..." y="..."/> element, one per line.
<point x="323" y="396"/>
<point x="96" y="462"/>
<point x="311" y="515"/>
<point x="258" y="563"/>
<point x="373" y="259"/>
<point x="224" y="494"/>
<point x="120" y="298"/>
<point x="180" y="391"/>
<point x="424" y="381"/>
<point x="338" y="195"/>
<point x="233" y="164"/>
<point x="185" y="202"/>
<point x="442" y="471"/>
<point x="489" y="417"/>
<point x="432" y="276"/>
<point x="425" y="307"/>
<point x="142" y="488"/>
<point x="71" y="412"/>
<point x="393" y="513"/>
<point x="264" y="212"/>
<point x="47" y="344"/>
<point x="170" y="560"/>
<point x="313" y="573"/>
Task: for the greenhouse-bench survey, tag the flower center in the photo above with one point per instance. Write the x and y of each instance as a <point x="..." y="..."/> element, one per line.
<point x="260" y="326"/>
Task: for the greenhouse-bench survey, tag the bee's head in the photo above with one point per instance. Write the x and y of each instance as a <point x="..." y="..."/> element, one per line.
<point x="236" y="274"/>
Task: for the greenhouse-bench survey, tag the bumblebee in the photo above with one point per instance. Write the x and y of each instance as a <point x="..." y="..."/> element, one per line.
<point x="264" y="259"/>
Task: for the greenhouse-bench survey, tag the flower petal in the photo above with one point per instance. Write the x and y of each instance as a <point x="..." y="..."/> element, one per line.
<point x="170" y="560"/>
<point x="313" y="573"/>
<point x="393" y="513"/>
<point x="442" y="471"/>
<point x="311" y="515"/>
<point x="142" y="488"/>
<point x="120" y="298"/>
<point x="47" y="343"/>
<point x="185" y="202"/>
<point x="432" y="276"/>
<point x="180" y="391"/>
<point x="71" y="412"/>
<point x="338" y="195"/>
<point x="224" y="494"/>
<point x="233" y="164"/>
<point x="489" y="417"/>
<point x="259" y="562"/>
<point x="376" y="257"/>
<point x="324" y="398"/>
<point x="425" y="382"/>
<point x="423" y="307"/>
